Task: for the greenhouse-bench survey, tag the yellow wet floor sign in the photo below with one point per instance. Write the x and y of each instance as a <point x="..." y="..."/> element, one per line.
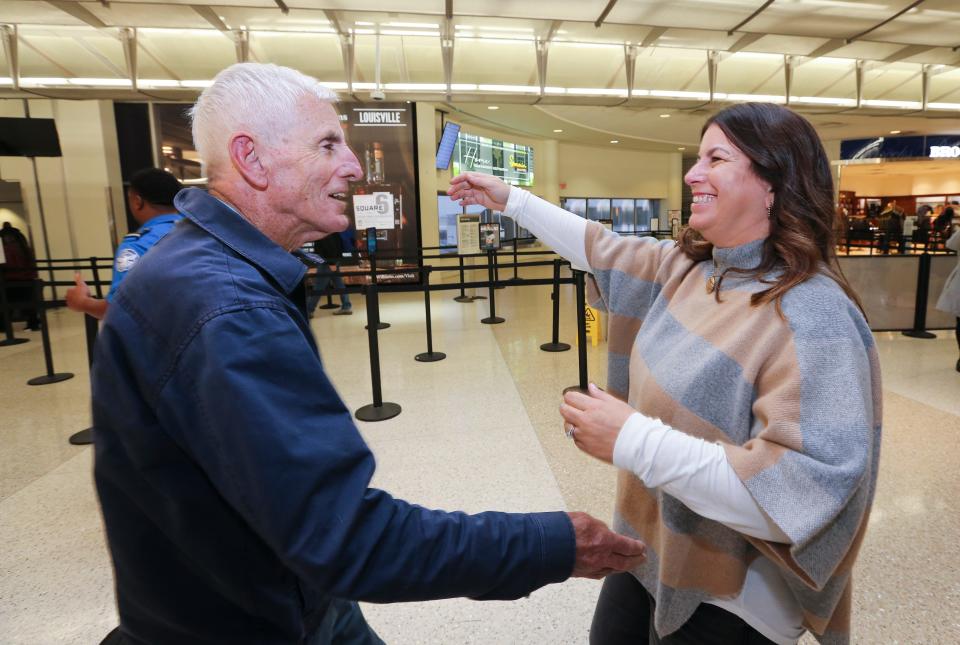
<point x="594" y="330"/>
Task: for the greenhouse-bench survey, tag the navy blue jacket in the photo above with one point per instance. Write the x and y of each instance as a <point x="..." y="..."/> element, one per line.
<point x="234" y="484"/>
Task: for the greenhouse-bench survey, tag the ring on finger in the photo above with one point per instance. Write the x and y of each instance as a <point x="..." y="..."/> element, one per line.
<point x="570" y="430"/>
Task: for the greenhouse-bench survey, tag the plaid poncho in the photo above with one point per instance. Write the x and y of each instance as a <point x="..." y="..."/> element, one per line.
<point x="795" y="401"/>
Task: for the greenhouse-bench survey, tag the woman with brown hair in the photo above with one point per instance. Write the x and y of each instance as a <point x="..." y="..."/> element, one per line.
<point x="744" y="393"/>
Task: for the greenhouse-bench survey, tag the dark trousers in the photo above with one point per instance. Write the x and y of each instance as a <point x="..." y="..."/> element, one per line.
<point x="624" y="615"/>
<point x="343" y="624"/>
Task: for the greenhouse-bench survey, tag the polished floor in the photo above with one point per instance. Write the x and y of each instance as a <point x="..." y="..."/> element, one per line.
<point x="478" y="431"/>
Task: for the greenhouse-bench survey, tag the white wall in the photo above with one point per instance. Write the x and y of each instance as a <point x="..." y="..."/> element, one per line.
<point x="591" y="171"/>
<point x="894" y="184"/>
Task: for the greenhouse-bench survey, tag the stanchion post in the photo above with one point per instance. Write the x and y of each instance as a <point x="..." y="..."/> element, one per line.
<point x="428" y="356"/>
<point x="50" y="376"/>
<point x="493" y="318"/>
<point x="96" y="284"/>
<point x="496" y="271"/>
<point x="516" y="277"/>
<point x="580" y="281"/>
<point x="920" y="304"/>
<point x="555" y="345"/>
<point x="463" y="297"/>
<point x="7" y="315"/>
<point x="373" y="281"/>
<point x="378" y="410"/>
<point x="91" y="327"/>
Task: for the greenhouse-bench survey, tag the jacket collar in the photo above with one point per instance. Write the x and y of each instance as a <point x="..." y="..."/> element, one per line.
<point x="230" y="227"/>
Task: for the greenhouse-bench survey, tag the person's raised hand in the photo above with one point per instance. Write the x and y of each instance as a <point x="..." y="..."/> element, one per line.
<point x="77" y="295"/>
<point x="594" y="421"/>
<point x="471" y="188"/>
<point x="600" y="551"/>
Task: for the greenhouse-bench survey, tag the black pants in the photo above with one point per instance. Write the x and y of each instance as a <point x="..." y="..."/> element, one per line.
<point x="624" y="615"/>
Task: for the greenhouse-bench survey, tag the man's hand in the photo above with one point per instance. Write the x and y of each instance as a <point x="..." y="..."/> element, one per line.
<point x="78" y="295"/>
<point x="477" y="188"/>
<point x="596" y="420"/>
<point x="78" y="299"/>
<point x="600" y="551"/>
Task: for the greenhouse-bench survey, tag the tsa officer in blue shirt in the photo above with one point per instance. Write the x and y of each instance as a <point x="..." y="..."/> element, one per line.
<point x="150" y="199"/>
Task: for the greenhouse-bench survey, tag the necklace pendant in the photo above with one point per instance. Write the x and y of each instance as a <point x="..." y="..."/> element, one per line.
<point x="711" y="284"/>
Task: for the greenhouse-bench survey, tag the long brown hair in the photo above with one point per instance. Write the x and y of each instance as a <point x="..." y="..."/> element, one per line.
<point x="785" y="152"/>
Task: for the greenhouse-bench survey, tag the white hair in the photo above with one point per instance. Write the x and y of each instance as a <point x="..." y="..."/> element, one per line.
<point x="252" y="96"/>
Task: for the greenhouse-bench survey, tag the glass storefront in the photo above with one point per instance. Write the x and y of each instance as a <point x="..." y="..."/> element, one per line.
<point x="628" y="214"/>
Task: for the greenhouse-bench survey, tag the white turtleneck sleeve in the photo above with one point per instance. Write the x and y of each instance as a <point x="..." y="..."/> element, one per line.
<point x="561" y="230"/>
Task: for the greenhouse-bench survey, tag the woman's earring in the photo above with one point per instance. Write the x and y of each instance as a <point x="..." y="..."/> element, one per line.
<point x="769" y="211"/>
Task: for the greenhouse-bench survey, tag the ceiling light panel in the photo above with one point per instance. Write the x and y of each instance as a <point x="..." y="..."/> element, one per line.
<point x="945" y="86"/>
<point x="171" y="16"/>
<point x="893" y="82"/>
<point x="749" y="73"/>
<point x="198" y="54"/>
<point x="325" y="60"/>
<point x="423" y="59"/>
<point x="673" y="69"/>
<point x="267" y="17"/>
<point x="504" y="63"/>
<point x="819" y="77"/>
<point x="571" y="65"/>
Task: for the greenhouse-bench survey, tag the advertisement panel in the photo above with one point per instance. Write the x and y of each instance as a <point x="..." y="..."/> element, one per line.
<point x="511" y="162"/>
<point x="383" y="138"/>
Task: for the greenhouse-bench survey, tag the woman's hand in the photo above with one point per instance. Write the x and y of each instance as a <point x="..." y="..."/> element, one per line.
<point x="596" y="420"/>
<point x="477" y="188"/>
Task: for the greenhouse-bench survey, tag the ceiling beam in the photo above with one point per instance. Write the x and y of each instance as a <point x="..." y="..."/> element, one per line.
<point x="76" y="10"/>
<point x="881" y="24"/>
<point x="827" y="47"/>
<point x="652" y="36"/>
<point x="448" y="9"/>
<point x="750" y="17"/>
<point x="128" y="36"/>
<point x="334" y="21"/>
<point x="241" y="39"/>
<point x="210" y="16"/>
<point x="543" y="50"/>
<point x="9" y="34"/>
<point x="447" y="43"/>
<point x="605" y="13"/>
<point x="907" y="52"/>
<point x="630" y="63"/>
<point x="284" y="9"/>
<point x="552" y="29"/>
<point x="713" y="66"/>
<point x="745" y="41"/>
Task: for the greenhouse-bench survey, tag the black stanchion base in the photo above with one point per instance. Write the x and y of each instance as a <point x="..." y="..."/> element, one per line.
<point x="576" y="388"/>
<point x="377" y="413"/>
<point x="330" y="306"/>
<point x="13" y="341"/>
<point x="82" y="438"/>
<point x="493" y="320"/>
<point x="918" y="334"/>
<point x="53" y="378"/>
<point x="430" y="357"/>
<point x="381" y="325"/>
<point x="555" y="347"/>
<point x="464" y="299"/>
<point x="500" y="287"/>
<point x="479" y="297"/>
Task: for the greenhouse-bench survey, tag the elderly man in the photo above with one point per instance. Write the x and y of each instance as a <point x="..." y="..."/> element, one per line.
<point x="234" y="484"/>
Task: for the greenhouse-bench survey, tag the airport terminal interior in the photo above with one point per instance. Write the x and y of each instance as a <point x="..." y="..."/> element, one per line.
<point x="594" y="105"/>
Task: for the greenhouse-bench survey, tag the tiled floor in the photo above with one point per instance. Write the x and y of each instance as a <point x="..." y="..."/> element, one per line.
<point x="478" y="431"/>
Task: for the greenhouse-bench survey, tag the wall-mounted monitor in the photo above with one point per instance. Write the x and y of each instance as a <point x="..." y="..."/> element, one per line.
<point x="447" y="142"/>
<point x="28" y="138"/>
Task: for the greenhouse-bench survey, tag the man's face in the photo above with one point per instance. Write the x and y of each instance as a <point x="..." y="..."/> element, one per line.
<point x="310" y="169"/>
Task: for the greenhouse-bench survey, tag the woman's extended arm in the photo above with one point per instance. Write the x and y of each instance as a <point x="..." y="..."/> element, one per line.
<point x="560" y="230"/>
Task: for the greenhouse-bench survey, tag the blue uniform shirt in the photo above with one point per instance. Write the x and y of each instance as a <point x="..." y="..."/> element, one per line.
<point x="234" y="484"/>
<point x="135" y="245"/>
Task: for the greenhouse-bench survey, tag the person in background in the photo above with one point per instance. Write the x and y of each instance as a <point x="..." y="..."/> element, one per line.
<point x="891" y="227"/>
<point x="750" y="483"/>
<point x="19" y="266"/>
<point x="150" y="199"/>
<point x="330" y="249"/>
<point x="949" y="300"/>
<point x="234" y="485"/>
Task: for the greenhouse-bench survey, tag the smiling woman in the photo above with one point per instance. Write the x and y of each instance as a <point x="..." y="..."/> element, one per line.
<point x="721" y="412"/>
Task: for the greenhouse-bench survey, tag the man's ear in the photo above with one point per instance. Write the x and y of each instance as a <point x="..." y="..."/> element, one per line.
<point x="245" y="157"/>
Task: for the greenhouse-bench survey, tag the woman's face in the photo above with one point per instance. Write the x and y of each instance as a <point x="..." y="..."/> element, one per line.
<point x="729" y="201"/>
